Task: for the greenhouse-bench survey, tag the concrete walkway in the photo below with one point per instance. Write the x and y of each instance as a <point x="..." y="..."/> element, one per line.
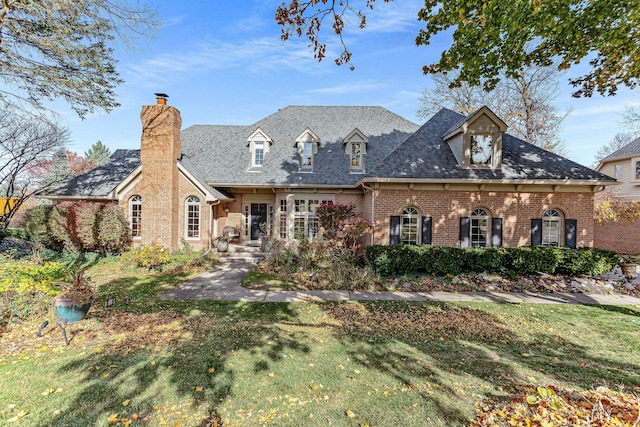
<point x="223" y="284"/>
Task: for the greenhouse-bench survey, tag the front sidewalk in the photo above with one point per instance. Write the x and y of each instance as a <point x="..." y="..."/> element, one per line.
<point x="223" y="284"/>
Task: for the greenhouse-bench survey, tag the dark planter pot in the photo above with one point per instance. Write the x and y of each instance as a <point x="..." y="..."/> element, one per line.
<point x="67" y="309"/>
<point x="630" y="270"/>
<point x="222" y="246"/>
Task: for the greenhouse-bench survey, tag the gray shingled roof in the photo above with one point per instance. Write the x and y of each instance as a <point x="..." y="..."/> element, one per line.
<point x="99" y="182"/>
<point x="425" y="155"/>
<point x="632" y="149"/>
<point x="222" y="155"/>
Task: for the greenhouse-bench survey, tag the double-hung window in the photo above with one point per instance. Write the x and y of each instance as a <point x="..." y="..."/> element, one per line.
<point x="135" y="216"/>
<point x="192" y="216"/>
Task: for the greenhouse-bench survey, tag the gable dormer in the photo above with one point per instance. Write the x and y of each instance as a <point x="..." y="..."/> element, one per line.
<point x="307" y="145"/>
<point x="477" y="141"/>
<point x="259" y="145"/>
<point x="355" y="145"/>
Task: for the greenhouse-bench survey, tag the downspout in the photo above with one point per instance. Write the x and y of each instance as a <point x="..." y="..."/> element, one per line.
<point x="373" y="204"/>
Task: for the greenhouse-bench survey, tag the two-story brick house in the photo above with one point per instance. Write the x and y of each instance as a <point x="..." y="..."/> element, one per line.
<point x="455" y="180"/>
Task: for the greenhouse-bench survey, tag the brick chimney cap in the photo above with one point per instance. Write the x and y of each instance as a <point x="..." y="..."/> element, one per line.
<point x="161" y="95"/>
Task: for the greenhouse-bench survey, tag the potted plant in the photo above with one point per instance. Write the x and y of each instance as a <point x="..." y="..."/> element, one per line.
<point x="629" y="267"/>
<point x="222" y="244"/>
<point x="75" y="298"/>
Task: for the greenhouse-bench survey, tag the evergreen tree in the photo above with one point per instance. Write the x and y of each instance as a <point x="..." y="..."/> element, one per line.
<point x="99" y="153"/>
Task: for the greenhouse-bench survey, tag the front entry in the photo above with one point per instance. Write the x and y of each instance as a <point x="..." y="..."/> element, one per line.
<point x="258" y="216"/>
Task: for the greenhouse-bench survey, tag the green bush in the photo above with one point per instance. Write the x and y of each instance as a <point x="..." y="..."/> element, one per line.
<point x="18" y="233"/>
<point x="149" y="256"/>
<point x="36" y="226"/>
<point x="26" y="288"/>
<point x="113" y="230"/>
<point x="396" y="260"/>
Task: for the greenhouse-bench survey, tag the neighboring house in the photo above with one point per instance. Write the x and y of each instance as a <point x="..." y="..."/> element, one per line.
<point x="624" y="166"/>
<point x="455" y="180"/>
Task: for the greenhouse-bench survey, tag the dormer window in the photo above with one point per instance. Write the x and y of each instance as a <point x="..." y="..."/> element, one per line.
<point x="481" y="149"/>
<point x="307" y="155"/>
<point x="307" y="144"/>
<point x="258" y="153"/>
<point x="259" y="144"/>
<point x="356" y="148"/>
<point x="476" y="142"/>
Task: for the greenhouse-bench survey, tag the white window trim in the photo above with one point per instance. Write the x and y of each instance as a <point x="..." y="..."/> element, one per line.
<point x="476" y="216"/>
<point x="258" y="136"/>
<point x="410" y="212"/>
<point x="356" y="137"/>
<point x="555" y="218"/>
<point x="290" y="209"/>
<point x="188" y="203"/>
<point x="307" y="137"/>
<point x="138" y="201"/>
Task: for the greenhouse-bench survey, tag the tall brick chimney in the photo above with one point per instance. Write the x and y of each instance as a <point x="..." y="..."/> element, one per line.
<point x="160" y="149"/>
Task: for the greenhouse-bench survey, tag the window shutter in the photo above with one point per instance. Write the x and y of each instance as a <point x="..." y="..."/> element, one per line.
<point x="496" y="232"/>
<point x="394" y="230"/>
<point x="536" y="231"/>
<point x="465" y="223"/>
<point x="426" y="230"/>
<point x="570" y="230"/>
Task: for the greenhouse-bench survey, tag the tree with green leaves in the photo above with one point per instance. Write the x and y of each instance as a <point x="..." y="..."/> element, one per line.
<point x="495" y="38"/>
<point x="524" y="102"/>
<point x="64" y="49"/>
<point x="99" y="153"/>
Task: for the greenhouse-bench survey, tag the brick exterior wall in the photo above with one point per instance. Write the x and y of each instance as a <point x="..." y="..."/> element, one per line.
<point x="516" y="208"/>
<point x="160" y="149"/>
<point x="618" y="237"/>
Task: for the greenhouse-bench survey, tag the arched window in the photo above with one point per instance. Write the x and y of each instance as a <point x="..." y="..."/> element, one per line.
<point x="192" y="217"/>
<point x="479" y="228"/>
<point x="409" y="226"/>
<point x="135" y="216"/>
<point x="551" y="226"/>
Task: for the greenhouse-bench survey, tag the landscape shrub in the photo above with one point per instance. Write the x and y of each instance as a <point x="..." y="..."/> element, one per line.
<point x="26" y="288"/>
<point x="87" y="224"/>
<point x="394" y="260"/>
<point x="36" y="227"/>
<point x="62" y="227"/>
<point x="113" y="230"/>
<point x="150" y="257"/>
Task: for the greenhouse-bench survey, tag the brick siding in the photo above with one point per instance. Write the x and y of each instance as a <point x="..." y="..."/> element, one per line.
<point x="516" y="208"/>
<point x="618" y="237"/>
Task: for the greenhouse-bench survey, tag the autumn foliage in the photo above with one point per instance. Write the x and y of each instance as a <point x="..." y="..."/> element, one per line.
<point x="612" y="208"/>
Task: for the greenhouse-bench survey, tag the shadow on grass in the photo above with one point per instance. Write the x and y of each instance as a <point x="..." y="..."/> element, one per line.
<point x="411" y="343"/>
<point x="461" y="342"/>
<point x="198" y="364"/>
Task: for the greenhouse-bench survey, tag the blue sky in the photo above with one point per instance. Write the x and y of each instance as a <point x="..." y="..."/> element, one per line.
<point x="224" y="63"/>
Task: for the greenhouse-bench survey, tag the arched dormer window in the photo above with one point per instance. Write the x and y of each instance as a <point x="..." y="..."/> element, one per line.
<point x="355" y="145"/>
<point x="192" y="218"/>
<point x="551" y="226"/>
<point x="307" y="144"/>
<point x="135" y="216"/>
<point x="259" y="145"/>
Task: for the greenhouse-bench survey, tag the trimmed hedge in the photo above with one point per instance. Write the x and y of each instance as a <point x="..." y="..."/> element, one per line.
<point x="395" y="260"/>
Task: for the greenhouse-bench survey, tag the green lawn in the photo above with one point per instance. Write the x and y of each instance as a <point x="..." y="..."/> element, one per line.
<point x="302" y="364"/>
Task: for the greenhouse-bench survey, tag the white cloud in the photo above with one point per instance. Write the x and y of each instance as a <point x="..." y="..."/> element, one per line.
<point x="206" y="56"/>
<point x="348" y="88"/>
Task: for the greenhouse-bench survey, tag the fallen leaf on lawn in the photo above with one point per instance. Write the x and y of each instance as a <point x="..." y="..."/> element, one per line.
<point x="211" y="370"/>
<point x="199" y="389"/>
<point x="20" y="415"/>
<point x="11" y="405"/>
<point x="349" y="413"/>
<point x="106" y="374"/>
<point x="126" y="402"/>
<point x="113" y="418"/>
<point x="271" y="374"/>
<point x="525" y="354"/>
